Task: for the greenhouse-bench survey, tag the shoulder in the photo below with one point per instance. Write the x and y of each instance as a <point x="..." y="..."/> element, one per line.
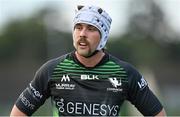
<point x="129" y="68"/>
<point x="131" y="71"/>
<point x="50" y="64"/>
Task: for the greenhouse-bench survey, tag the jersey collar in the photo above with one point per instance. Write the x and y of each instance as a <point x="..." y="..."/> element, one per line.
<point x="102" y="61"/>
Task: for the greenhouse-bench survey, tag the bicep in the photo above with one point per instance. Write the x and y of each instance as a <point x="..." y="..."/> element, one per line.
<point x="146" y="102"/>
<point x="140" y="95"/>
<point x="16" y="112"/>
<point x="35" y="94"/>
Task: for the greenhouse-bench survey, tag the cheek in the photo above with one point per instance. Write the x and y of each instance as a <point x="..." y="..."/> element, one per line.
<point x="74" y="37"/>
<point x="97" y="39"/>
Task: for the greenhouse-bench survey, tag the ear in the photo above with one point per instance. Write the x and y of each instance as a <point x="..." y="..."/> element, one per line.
<point x="79" y="7"/>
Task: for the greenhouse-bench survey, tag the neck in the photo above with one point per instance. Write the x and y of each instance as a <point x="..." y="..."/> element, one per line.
<point x="91" y="61"/>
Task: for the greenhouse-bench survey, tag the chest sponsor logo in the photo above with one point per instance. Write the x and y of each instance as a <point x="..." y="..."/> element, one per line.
<point x="65" y="78"/>
<point x="65" y="83"/>
<point x="89" y="77"/>
<point x="83" y="108"/>
<point x="65" y="86"/>
<point x="116" y="83"/>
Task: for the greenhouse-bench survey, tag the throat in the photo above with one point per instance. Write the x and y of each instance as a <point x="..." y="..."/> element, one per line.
<point x="91" y="61"/>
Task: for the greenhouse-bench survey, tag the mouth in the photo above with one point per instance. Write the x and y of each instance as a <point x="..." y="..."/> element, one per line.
<point x="82" y="43"/>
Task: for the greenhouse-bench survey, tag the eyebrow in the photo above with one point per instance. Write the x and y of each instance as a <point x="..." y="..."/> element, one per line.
<point x="88" y="25"/>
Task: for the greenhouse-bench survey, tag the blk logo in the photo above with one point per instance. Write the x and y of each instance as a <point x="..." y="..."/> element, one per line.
<point x="89" y="77"/>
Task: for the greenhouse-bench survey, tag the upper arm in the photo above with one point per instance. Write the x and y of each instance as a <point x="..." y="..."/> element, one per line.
<point x="16" y="112"/>
<point x="35" y="94"/>
<point x="140" y="95"/>
<point x="161" y="113"/>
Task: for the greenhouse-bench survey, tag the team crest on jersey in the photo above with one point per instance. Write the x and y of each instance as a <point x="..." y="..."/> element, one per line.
<point x="116" y="83"/>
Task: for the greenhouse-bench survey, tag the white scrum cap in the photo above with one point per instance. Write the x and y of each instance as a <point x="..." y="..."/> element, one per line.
<point x="97" y="17"/>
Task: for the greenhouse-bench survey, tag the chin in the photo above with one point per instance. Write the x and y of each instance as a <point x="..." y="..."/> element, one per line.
<point x="83" y="53"/>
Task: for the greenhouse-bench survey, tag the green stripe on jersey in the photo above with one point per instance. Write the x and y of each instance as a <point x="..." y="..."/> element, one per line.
<point x="109" y="69"/>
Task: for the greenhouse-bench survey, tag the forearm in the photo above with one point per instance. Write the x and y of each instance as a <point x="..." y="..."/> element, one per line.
<point x="16" y="112"/>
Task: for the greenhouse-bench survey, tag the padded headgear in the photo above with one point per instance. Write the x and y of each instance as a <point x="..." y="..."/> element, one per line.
<point x="97" y="17"/>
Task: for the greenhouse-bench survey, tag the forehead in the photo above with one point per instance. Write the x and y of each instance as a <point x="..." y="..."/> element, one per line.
<point x="85" y="25"/>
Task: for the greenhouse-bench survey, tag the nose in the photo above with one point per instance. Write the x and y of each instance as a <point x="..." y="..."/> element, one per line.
<point x="83" y="32"/>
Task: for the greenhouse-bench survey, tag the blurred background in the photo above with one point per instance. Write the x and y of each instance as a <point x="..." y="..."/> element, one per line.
<point x="145" y="33"/>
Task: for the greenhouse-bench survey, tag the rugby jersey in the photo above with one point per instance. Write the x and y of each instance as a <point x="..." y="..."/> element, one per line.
<point x="76" y="90"/>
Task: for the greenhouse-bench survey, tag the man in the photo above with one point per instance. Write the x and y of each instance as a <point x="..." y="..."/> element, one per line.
<point x="88" y="81"/>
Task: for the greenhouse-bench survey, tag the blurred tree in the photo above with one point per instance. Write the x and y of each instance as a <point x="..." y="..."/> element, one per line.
<point x="148" y="39"/>
<point x="150" y="43"/>
<point x="30" y="38"/>
<point x="24" y="38"/>
<point x="137" y="51"/>
<point x="146" y="19"/>
<point x="24" y="47"/>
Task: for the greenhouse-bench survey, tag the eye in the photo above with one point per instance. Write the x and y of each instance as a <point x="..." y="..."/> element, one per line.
<point x="92" y="28"/>
<point x="78" y="27"/>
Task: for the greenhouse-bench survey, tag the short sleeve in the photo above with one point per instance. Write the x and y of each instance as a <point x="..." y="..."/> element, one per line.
<point x="140" y="95"/>
<point x="36" y="92"/>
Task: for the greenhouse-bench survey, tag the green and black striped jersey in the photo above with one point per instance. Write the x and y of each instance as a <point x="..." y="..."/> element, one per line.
<point x="76" y="90"/>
